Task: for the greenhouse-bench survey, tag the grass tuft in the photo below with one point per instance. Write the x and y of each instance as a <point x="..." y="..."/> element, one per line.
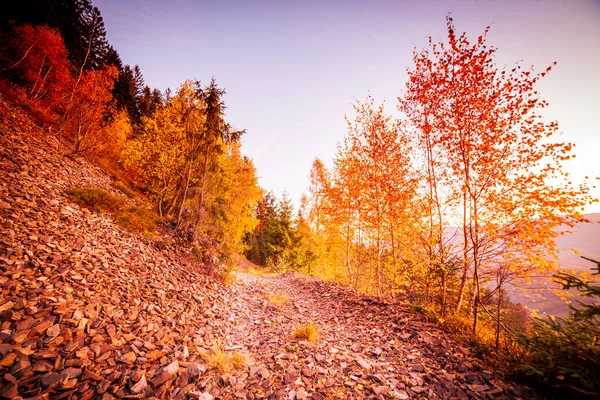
<point x="218" y="359"/>
<point x="239" y="360"/>
<point x="278" y="300"/>
<point x="307" y="332"/>
<point x="224" y="362"/>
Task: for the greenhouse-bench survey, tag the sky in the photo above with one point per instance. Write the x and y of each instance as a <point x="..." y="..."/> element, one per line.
<point x="293" y="69"/>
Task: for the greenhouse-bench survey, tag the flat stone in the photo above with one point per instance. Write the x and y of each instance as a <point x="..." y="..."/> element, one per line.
<point x="364" y="365"/>
<point x="128" y="358"/>
<point x="140" y="385"/>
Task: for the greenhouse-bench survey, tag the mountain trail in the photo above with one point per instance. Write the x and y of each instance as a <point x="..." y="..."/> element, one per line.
<point x="364" y="349"/>
<point x="89" y="310"/>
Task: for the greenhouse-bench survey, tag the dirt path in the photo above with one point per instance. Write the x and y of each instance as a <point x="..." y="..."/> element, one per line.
<point x="365" y="349"/>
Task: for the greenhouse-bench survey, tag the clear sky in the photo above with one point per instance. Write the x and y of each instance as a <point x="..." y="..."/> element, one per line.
<point x="292" y="69"/>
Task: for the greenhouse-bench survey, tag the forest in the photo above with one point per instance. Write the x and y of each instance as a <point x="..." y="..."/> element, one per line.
<point x="444" y="207"/>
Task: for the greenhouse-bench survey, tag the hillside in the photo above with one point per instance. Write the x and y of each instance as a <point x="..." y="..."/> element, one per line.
<point x="89" y="310"/>
<point x="583" y="238"/>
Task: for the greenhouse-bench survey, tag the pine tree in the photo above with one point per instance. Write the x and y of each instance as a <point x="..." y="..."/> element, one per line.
<point x="212" y="139"/>
<point x="565" y="352"/>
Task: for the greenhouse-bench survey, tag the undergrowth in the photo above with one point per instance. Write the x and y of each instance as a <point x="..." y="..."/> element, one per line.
<point x="223" y="361"/>
<point x="227" y="276"/>
<point x="124" y="189"/>
<point x="131" y="217"/>
<point x="261" y="272"/>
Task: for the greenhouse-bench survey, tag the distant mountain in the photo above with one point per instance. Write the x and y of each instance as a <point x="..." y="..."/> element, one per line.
<point x="585" y="239"/>
<point x="539" y="295"/>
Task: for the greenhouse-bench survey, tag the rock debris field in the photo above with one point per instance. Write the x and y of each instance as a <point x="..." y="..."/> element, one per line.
<point x="90" y="311"/>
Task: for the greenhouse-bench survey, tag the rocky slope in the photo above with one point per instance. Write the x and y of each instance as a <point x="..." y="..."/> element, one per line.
<point x="88" y="310"/>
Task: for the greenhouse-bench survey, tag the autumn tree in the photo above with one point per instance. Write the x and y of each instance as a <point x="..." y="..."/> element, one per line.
<point x="167" y="157"/>
<point x="232" y="193"/>
<point x="345" y="202"/>
<point x="161" y="153"/>
<point x="39" y="64"/>
<point x="78" y="21"/>
<point x="85" y="115"/>
<point x="36" y="59"/>
<point x="495" y="160"/>
<point x="364" y="211"/>
<point x="320" y="243"/>
<point x="378" y="156"/>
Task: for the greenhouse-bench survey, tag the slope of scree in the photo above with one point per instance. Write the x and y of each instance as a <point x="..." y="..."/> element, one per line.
<point x="89" y="310"/>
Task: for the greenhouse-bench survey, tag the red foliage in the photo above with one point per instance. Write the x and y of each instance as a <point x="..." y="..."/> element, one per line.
<point x="36" y="59"/>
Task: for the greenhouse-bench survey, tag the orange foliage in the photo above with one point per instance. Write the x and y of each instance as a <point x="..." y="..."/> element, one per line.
<point x="471" y="198"/>
<point x="36" y="58"/>
<point x="86" y="113"/>
<point x="495" y="159"/>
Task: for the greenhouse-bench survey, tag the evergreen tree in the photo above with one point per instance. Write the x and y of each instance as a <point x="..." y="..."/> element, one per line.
<point x="565" y="352"/>
<point x="149" y="100"/>
<point x="215" y="134"/>
<point x="127" y="92"/>
<point x="275" y="242"/>
<point x="78" y="21"/>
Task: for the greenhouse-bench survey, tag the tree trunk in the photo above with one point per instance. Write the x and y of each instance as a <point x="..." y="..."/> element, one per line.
<point x="348" y="266"/>
<point x="187" y="185"/>
<point x="200" y="197"/>
<point x="499" y="306"/>
<point x="463" y="280"/>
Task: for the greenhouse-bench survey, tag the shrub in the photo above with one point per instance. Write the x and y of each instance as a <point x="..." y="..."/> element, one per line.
<point x="565" y="352"/>
<point x="133" y="218"/>
<point x="96" y="199"/>
<point x="307" y="332"/>
<point x="137" y="219"/>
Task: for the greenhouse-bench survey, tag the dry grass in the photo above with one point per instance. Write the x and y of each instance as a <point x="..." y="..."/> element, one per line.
<point x="278" y="300"/>
<point x="239" y="360"/>
<point x="218" y="359"/>
<point x="227" y="277"/>
<point x="223" y="361"/>
<point x="124" y="189"/>
<point x="133" y="218"/>
<point x="261" y="272"/>
<point x="307" y="332"/>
